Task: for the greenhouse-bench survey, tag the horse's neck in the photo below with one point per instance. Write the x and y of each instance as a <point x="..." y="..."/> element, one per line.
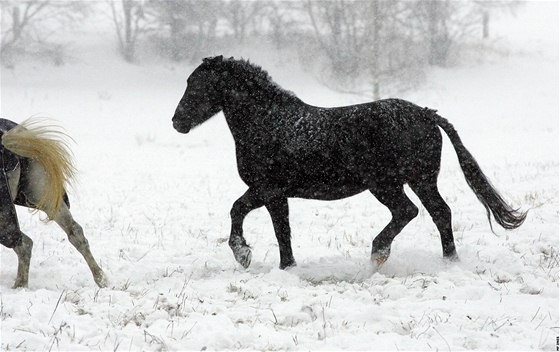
<point x="244" y="108"/>
<point x="251" y="106"/>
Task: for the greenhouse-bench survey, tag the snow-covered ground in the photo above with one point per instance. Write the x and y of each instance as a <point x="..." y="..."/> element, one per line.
<point x="155" y="207"/>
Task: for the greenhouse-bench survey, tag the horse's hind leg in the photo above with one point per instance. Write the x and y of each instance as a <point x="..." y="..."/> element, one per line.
<point x="427" y="190"/>
<point x="31" y="192"/>
<point x="76" y="237"/>
<point x="402" y="211"/>
<point x="23" y="252"/>
<point x="10" y="234"/>
<point x="279" y="212"/>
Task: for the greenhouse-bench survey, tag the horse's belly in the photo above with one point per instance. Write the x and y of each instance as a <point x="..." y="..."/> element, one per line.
<point x="325" y="184"/>
<point x="325" y="193"/>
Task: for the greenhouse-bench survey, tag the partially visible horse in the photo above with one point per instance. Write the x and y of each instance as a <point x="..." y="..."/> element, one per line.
<point x="35" y="166"/>
<point x="286" y="148"/>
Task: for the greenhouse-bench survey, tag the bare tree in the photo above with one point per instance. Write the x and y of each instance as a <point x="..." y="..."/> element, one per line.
<point x="239" y="14"/>
<point x="486" y="8"/>
<point x="20" y="17"/>
<point x="21" y="20"/>
<point x="127" y="17"/>
<point x="184" y="28"/>
<point x="446" y="24"/>
<point x="438" y="13"/>
<point x="206" y="16"/>
<point x="339" y="33"/>
<point x="364" y="41"/>
<point x="171" y="17"/>
<point x="284" y="22"/>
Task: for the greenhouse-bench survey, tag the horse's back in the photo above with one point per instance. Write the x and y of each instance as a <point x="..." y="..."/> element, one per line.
<point x="9" y="160"/>
<point x="389" y="129"/>
<point x="6" y="125"/>
<point x="389" y="138"/>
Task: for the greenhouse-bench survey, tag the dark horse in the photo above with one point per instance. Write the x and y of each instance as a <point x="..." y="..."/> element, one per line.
<point x="286" y="148"/>
<point x="35" y="165"/>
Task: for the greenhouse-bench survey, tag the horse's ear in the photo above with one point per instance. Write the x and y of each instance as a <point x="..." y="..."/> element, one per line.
<point x="213" y="60"/>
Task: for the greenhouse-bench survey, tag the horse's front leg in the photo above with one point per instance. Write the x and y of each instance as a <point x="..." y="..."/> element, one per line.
<point x="241" y="207"/>
<point x="76" y="237"/>
<point x="279" y="212"/>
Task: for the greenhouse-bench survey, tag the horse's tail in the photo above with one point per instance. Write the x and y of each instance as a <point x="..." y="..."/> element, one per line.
<point x="47" y="145"/>
<point x="504" y="215"/>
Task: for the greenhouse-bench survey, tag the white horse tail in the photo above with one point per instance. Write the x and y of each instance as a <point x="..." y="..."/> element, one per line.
<point x="47" y="145"/>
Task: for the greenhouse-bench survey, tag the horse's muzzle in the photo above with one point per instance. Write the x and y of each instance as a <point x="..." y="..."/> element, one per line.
<point x="181" y="127"/>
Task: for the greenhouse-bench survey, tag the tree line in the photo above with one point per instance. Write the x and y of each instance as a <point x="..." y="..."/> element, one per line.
<point x="375" y="41"/>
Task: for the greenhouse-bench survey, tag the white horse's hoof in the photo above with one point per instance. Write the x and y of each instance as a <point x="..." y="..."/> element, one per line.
<point x="101" y="280"/>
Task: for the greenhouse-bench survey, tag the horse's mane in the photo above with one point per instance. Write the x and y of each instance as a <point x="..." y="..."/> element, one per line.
<point x="257" y="74"/>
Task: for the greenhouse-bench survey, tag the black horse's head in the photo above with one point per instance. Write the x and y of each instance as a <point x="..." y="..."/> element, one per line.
<point x="203" y="96"/>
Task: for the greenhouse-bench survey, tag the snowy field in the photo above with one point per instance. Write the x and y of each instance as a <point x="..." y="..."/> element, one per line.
<point x="155" y="205"/>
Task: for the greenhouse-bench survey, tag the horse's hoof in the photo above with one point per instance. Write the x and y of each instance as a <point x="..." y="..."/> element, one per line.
<point x="379" y="258"/>
<point x="452" y="258"/>
<point x="101" y="280"/>
<point x="19" y="284"/>
<point x="243" y="255"/>
<point x="284" y="266"/>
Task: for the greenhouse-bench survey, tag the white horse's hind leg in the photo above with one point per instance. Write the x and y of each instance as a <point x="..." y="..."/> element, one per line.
<point x="23" y="251"/>
<point x="36" y="175"/>
<point x="76" y="237"/>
